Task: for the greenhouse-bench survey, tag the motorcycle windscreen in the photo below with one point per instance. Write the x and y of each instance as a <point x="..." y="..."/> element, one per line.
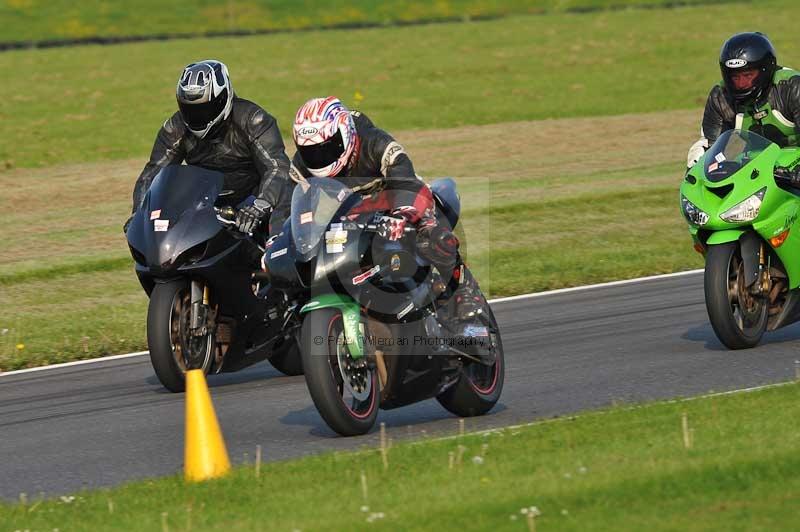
<point x="732" y="151"/>
<point x="314" y="203"/>
<point x="178" y="213"/>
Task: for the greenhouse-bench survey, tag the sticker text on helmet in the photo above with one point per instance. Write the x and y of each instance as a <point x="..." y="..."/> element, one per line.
<point x="735" y="63"/>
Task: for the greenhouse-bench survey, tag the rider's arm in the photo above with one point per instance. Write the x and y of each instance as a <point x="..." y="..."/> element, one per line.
<point x="272" y="163"/>
<point x="792" y="98"/>
<point x="407" y="189"/>
<point x="269" y="156"/>
<point x="717" y="117"/>
<point x="167" y="150"/>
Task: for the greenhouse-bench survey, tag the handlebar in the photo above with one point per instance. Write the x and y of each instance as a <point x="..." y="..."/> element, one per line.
<point x="226" y="215"/>
<point x="373" y="228"/>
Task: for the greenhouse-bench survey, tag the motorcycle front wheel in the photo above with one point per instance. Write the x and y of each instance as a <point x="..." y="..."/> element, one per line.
<point x="738" y="318"/>
<point x="168" y="338"/>
<point x="344" y="390"/>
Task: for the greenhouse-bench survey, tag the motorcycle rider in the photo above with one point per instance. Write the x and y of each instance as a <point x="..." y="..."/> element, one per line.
<point x="755" y="94"/>
<point x="217" y="130"/>
<point x="333" y="141"/>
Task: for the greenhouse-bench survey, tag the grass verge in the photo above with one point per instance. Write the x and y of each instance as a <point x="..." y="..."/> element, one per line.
<point x="619" y="469"/>
<point x="25" y="20"/>
<point x="437" y="76"/>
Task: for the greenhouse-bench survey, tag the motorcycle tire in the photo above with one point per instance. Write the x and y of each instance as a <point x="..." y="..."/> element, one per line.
<point x="322" y="354"/>
<point x="164" y="300"/>
<point x="479" y="387"/>
<point x="734" y="332"/>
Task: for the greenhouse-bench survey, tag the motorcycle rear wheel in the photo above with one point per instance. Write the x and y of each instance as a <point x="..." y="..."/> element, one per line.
<point x="168" y="335"/>
<point x="479" y="387"/>
<point x="349" y="408"/>
<point x="738" y="318"/>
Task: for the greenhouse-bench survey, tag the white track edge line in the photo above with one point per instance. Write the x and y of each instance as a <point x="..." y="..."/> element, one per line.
<point x="498" y="300"/>
<point x="73" y="363"/>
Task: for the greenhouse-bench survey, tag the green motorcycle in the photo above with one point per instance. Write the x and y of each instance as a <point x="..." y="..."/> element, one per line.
<point x="743" y="219"/>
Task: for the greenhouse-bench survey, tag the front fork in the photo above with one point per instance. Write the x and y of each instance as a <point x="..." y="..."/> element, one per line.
<point x="199" y="309"/>
<point x="764" y="283"/>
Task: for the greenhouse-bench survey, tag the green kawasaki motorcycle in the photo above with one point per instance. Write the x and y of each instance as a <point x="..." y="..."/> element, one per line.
<point x="743" y="219"/>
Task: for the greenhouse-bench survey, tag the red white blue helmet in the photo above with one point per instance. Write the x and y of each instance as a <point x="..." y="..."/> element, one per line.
<point x="205" y="95"/>
<point x="325" y="136"/>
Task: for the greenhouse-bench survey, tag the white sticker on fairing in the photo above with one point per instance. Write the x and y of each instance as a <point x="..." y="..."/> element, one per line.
<point x="160" y="226"/>
<point x="475" y="330"/>
<point x="405" y="311"/>
<point x="306" y="217"/>
<point x="279" y="253"/>
<point x="341" y="195"/>
<point x="358" y="279"/>
<point x="335" y="239"/>
<point x="155" y="214"/>
<point x="719" y="157"/>
<point x="735" y="63"/>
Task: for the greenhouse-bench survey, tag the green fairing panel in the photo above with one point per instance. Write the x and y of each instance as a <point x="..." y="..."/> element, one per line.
<point x="351" y="317"/>
<point x="779" y="211"/>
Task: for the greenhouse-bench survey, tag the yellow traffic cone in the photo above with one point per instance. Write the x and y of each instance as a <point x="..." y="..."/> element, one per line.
<point x="205" y="455"/>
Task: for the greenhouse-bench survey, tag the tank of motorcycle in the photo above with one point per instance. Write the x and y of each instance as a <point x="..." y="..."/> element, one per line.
<point x="176" y="215"/>
<point x="737" y="168"/>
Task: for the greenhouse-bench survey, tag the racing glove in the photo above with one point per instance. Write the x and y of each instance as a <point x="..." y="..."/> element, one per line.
<point x="438" y="245"/>
<point x="248" y="218"/>
<point x="393" y="227"/>
<point x="697" y="150"/>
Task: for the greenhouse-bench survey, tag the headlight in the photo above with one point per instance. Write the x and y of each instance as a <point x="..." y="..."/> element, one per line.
<point x="746" y="210"/>
<point x="692" y="213"/>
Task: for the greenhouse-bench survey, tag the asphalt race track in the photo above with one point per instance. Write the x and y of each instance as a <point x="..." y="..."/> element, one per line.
<point x="105" y="423"/>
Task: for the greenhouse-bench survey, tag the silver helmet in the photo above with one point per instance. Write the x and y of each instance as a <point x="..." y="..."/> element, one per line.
<point x="205" y="95"/>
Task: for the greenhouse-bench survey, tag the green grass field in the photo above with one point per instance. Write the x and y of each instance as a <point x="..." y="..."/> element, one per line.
<point x="518" y="68"/>
<point x="619" y="469"/>
<point x="32" y="20"/>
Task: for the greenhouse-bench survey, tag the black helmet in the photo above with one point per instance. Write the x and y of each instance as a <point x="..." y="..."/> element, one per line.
<point x="204" y="95"/>
<point x="744" y="52"/>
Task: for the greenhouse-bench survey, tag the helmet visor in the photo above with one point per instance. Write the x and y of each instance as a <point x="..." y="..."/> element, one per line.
<point x="323" y="154"/>
<point x="199" y="115"/>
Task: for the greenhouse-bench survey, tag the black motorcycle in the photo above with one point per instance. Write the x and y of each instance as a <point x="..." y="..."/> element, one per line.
<point x="208" y="308"/>
<point x="374" y="318"/>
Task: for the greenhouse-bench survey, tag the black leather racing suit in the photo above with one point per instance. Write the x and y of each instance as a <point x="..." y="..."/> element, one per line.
<point x="247" y="149"/>
<point x="782" y="96"/>
<point x="381" y="165"/>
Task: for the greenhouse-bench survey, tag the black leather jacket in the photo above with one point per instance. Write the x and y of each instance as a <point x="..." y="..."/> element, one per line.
<point x="247" y="149"/>
<point x="782" y="96"/>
